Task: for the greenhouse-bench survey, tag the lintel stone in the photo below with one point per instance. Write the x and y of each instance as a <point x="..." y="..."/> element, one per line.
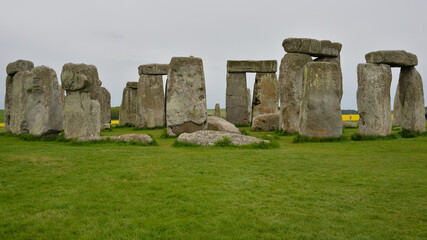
<point x="153" y="69"/>
<point x="265" y="66"/>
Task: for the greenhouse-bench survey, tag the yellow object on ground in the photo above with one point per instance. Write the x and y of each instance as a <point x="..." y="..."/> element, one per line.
<point x="114" y="121"/>
<point x="1" y="124"/>
<point x="350" y="117"/>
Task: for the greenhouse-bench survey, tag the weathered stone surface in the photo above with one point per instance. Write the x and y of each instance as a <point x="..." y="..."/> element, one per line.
<point x="186" y="96"/>
<point x="265" y="99"/>
<point x="266" y="122"/>
<point x="408" y="110"/>
<point x="105" y="105"/>
<point x="18" y="108"/>
<point x="217" y="112"/>
<point x="241" y="66"/>
<point x="128" y="108"/>
<point x="249" y="102"/>
<point x="133" y="85"/>
<point x="8" y="102"/>
<point x="220" y="124"/>
<point x="81" y="77"/>
<point x="312" y="47"/>
<point x="209" y="138"/>
<point x="45" y="102"/>
<point x="143" y="138"/>
<point x="373" y="99"/>
<point x="350" y="124"/>
<point x="236" y="99"/>
<point x="153" y="69"/>
<point x="17" y="66"/>
<point x="151" y="101"/>
<point x="81" y="115"/>
<point x="394" y="58"/>
<point x="320" y="113"/>
<point x="291" y="78"/>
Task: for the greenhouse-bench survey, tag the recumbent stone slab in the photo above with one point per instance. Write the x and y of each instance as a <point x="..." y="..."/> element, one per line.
<point x="209" y="138"/>
<point x="408" y="110"/>
<point x="186" y="96"/>
<point x="220" y="124"/>
<point x="373" y="99"/>
<point x="320" y="113"/>
<point x="266" y="122"/>
<point x="394" y="58"/>
<point x="312" y="47"/>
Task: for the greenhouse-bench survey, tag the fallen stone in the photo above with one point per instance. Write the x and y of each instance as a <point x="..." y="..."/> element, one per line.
<point x="153" y="69"/>
<point x="394" y="58"/>
<point x="186" y="96"/>
<point x="128" y="108"/>
<point x="209" y="138"/>
<point x="265" y="66"/>
<point x="265" y="99"/>
<point x="217" y="112"/>
<point x="320" y="112"/>
<point x="150" y="101"/>
<point x="17" y="66"/>
<point x="291" y="78"/>
<point x="220" y="124"/>
<point x="350" y="124"/>
<point x="408" y="110"/>
<point x="373" y="99"/>
<point x="312" y="47"/>
<point x="143" y="138"/>
<point x="266" y="122"/>
<point x="236" y="99"/>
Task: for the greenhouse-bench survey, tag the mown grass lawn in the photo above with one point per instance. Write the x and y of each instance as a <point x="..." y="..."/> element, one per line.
<point x="336" y="190"/>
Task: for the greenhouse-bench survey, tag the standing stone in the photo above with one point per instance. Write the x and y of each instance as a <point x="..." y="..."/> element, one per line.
<point x="291" y="79"/>
<point x="186" y="96"/>
<point x="150" y="101"/>
<point x="217" y="112"/>
<point x="18" y="108"/>
<point x="265" y="99"/>
<point x="236" y="99"/>
<point x="11" y="70"/>
<point x="45" y="102"/>
<point x="249" y="101"/>
<point x="320" y="113"/>
<point x="373" y="99"/>
<point x="408" y="108"/>
<point x="82" y="115"/>
<point x="104" y="99"/>
<point x="128" y="109"/>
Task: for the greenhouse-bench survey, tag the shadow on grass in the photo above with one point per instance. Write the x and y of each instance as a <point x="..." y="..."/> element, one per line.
<point x="301" y="139"/>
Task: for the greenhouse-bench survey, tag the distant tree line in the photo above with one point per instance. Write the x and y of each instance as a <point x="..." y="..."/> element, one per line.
<point x="115" y="113"/>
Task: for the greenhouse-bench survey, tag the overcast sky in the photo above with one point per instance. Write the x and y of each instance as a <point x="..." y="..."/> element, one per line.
<point x="118" y="36"/>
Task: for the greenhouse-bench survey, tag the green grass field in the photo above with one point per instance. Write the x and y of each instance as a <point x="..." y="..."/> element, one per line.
<point x="337" y="190"/>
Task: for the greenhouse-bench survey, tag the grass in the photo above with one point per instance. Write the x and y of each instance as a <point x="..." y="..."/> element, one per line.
<point x="330" y="190"/>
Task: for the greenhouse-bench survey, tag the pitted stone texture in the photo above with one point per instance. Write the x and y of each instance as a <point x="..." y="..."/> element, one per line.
<point x="186" y="96"/>
<point x="153" y="69"/>
<point x="312" y="47"/>
<point x="236" y="99"/>
<point x="81" y="77"/>
<point x="220" y="124"/>
<point x="408" y="111"/>
<point x="151" y="101"/>
<point x="217" y="112"/>
<point x="291" y="78"/>
<point x="209" y="138"/>
<point x="143" y="138"/>
<point x="373" y="99"/>
<point x="104" y="99"/>
<point x="265" y="99"/>
<point x="133" y="85"/>
<point x="8" y="102"/>
<point x="81" y="116"/>
<point x="394" y="58"/>
<point x="266" y="122"/>
<point x="350" y="124"/>
<point x="17" y="66"/>
<point x="45" y="102"/>
<point x="241" y="66"/>
<point x="19" y="98"/>
<point x="320" y="113"/>
<point x="249" y="102"/>
<point x="128" y="109"/>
